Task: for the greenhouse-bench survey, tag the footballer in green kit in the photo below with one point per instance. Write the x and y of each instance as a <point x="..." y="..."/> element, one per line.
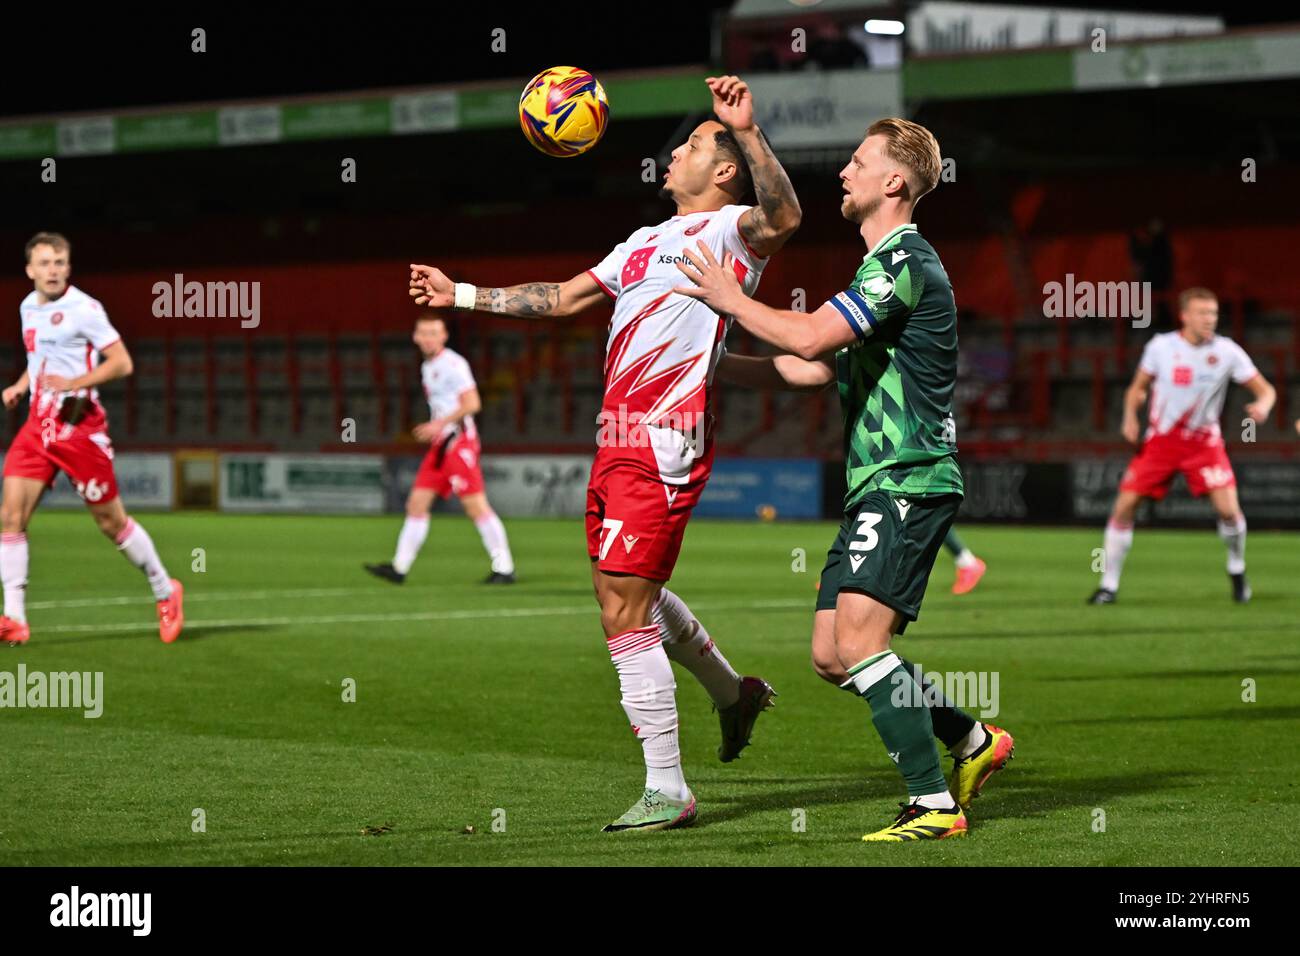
<point x="889" y="341"/>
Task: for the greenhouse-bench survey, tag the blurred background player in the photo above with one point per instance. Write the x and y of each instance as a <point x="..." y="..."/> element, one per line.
<point x="1186" y="373"/>
<point x="890" y="342"/>
<point x="451" y="465"/>
<point x="969" y="568"/>
<point x="65" y="332"/>
<point x="646" y="479"/>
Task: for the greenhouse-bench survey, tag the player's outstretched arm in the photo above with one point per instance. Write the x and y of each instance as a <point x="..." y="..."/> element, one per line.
<point x="787" y="373"/>
<point x="556" y="300"/>
<point x="806" y="335"/>
<point x="1135" y="397"/>
<point x="767" y="226"/>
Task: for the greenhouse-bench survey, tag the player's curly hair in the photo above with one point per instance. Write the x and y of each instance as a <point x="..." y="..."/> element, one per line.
<point x="913" y="146"/>
<point x="726" y="148"/>
<point x="55" y="239"/>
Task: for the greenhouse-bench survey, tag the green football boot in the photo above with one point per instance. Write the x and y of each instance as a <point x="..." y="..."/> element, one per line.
<point x="654" y="811"/>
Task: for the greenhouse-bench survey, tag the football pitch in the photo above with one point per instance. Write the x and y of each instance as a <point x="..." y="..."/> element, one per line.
<point x="497" y="708"/>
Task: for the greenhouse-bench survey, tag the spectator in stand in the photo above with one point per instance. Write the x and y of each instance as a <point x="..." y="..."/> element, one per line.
<point x="1153" y="261"/>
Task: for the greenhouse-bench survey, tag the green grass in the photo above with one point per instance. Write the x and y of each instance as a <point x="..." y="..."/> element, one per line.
<point x="471" y="699"/>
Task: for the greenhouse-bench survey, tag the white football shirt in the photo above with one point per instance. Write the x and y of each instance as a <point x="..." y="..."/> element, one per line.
<point x="663" y="347"/>
<point x="446" y="377"/>
<point x="1191" y="382"/>
<point x="63" y="337"/>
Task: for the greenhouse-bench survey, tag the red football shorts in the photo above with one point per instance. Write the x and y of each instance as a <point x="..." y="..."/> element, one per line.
<point x="635" y="520"/>
<point x="1204" y="464"/>
<point x="45" y="446"/>
<point x="452" y="469"/>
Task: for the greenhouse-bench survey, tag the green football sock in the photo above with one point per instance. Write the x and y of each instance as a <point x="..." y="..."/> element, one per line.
<point x="951" y="724"/>
<point x="953" y="543"/>
<point x="902" y="720"/>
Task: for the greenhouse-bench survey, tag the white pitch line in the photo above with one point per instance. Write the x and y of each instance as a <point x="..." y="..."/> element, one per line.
<point x="462" y="615"/>
<point x="201" y="596"/>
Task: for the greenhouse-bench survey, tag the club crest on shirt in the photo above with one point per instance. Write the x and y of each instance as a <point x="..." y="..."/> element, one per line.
<point x="697" y="227"/>
<point x="56" y="318"/>
<point x="1211" y="360"/>
<point x="878" y="288"/>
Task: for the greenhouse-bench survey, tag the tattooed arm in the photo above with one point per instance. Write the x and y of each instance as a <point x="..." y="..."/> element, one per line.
<point x="555" y="300"/>
<point x="767" y="226"/>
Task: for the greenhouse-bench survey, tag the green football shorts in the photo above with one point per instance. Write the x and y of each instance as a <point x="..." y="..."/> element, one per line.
<point x="886" y="547"/>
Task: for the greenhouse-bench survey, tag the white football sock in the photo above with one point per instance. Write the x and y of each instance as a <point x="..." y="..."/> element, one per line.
<point x="966" y="559"/>
<point x="935" y="801"/>
<point x="493" y="533"/>
<point x="137" y="547"/>
<point x="409" y="541"/>
<point x="1117" y="540"/>
<point x="1233" y="534"/>
<point x="13" y="570"/>
<point x="688" y="643"/>
<point x="668" y="780"/>
<point x="646" y="679"/>
<point x="970" y="743"/>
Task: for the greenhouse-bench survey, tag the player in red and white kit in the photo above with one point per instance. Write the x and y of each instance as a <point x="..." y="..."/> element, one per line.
<point x="1187" y="374"/>
<point x="451" y="466"/>
<point x="65" y="332"/>
<point x="655" y="444"/>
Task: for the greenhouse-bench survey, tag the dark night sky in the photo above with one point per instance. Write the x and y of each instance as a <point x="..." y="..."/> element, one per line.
<point x="62" y="59"/>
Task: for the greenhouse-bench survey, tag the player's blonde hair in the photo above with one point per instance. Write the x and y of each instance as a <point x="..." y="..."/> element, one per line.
<point x="914" y="147"/>
<point x="56" y="240"/>
<point x="1195" y="292"/>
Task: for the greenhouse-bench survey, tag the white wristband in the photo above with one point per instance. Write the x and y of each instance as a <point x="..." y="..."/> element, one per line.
<point x="466" y="295"/>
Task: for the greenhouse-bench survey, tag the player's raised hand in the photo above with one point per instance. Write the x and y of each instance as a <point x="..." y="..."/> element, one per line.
<point x="1259" y="411"/>
<point x="429" y="286"/>
<point x="716" y="284"/>
<point x="733" y="104"/>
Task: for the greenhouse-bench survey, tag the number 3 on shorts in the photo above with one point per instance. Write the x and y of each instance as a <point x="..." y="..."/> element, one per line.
<point x="609" y="530"/>
<point x="867" y="529"/>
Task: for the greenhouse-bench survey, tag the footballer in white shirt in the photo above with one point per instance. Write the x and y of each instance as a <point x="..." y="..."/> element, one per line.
<point x="72" y="349"/>
<point x="451" y="465"/>
<point x="654" y="441"/>
<point x="1184" y="378"/>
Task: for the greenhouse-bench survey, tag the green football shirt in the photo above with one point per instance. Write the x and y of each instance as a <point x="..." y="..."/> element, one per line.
<point x="896" y="381"/>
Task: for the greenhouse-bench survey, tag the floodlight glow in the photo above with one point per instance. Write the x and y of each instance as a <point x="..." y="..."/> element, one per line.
<point x="889" y="28"/>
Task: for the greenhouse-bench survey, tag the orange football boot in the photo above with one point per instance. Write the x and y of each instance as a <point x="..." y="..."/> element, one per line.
<point x="968" y="577"/>
<point x="14" y="632"/>
<point x="171" y="613"/>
